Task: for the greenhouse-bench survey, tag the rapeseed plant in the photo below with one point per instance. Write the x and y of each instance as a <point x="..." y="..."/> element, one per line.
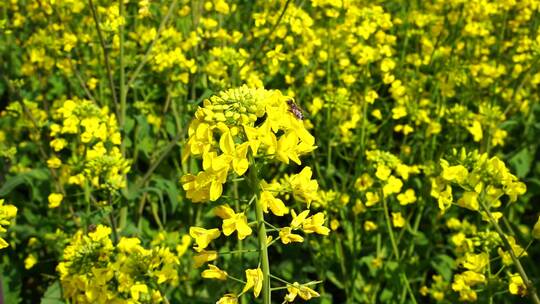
<point x="234" y="132"/>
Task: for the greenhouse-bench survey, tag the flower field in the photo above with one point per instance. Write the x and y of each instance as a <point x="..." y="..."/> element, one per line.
<point x="280" y="151"/>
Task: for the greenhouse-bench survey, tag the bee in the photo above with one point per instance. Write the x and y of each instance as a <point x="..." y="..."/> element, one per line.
<point x="92" y="228"/>
<point x="295" y="110"/>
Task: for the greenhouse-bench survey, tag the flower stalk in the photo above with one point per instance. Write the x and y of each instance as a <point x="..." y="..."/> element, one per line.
<point x="263" y="246"/>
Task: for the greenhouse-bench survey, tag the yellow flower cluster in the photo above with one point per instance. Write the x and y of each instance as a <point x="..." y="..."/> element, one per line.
<point x="91" y="136"/>
<point x="481" y="178"/>
<point x="20" y="118"/>
<point x="234" y="121"/>
<point x="7" y="213"/>
<point x="474" y="250"/>
<point x="386" y="179"/>
<point x="94" y="270"/>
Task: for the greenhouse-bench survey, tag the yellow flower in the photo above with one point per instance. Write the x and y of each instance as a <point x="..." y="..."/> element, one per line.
<point x="233" y="222"/>
<point x="203" y="237"/>
<point x="476" y="130"/>
<point x="131" y="245"/>
<point x="7" y="212"/>
<point x="58" y="144"/>
<point x="359" y="207"/>
<point x="137" y="289"/>
<point x="204" y="257"/>
<point x="398" y="220"/>
<point x="518" y="250"/>
<point x="231" y="116"/>
<point x="303" y="187"/>
<point x="55" y="199"/>
<point x="183" y="246"/>
<point x="370" y="226"/>
<point x="100" y="233"/>
<point x="254" y="279"/>
<point x="456" y="173"/>
<point x="30" y="261"/>
<point x="516" y="286"/>
<point x="298" y="220"/>
<point x="536" y="229"/>
<point x="399" y="112"/>
<point x="287" y="236"/>
<point x="314" y="224"/>
<point x="387" y="65"/>
<point x="54" y="162"/>
<point x="476" y="262"/>
<point x="442" y="192"/>
<point x="472" y="278"/>
<point x="515" y="189"/>
<point x="469" y="200"/>
<point x="383" y="172"/>
<point x="206" y="185"/>
<point x="407" y="197"/>
<point x="213" y="272"/>
<point x="363" y="182"/>
<point x="302" y="291"/>
<point x="377" y="114"/>
<point x="275" y="204"/>
<point x="231" y="154"/>
<point x="393" y="185"/>
<point x="334" y="224"/>
<point x="372" y="199"/>
<point x="228" y="299"/>
<point x="463" y="283"/>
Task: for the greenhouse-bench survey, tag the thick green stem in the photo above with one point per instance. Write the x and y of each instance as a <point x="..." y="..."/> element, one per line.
<point x="264" y="254"/>
<point x="531" y="290"/>
<point x="263" y="247"/>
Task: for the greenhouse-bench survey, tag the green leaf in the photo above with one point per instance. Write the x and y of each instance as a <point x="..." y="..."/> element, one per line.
<point x="129" y="124"/>
<point x="10" y="282"/>
<point x="326" y="299"/>
<point x="522" y="161"/>
<point x="391" y="266"/>
<point x="171" y="189"/>
<point x="332" y="278"/>
<point x="386" y="295"/>
<point x="53" y="294"/>
<point x="444" y="266"/>
<point x="420" y="238"/>
<point x="23" y="178"/>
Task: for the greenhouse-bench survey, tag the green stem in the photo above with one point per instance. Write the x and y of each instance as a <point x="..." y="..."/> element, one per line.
<point x="149" y="50"/>
<point x="390" y="230"/>
<point x="530" y="287"/>
<point x="266" y="38"/>
<point x="239" y="251"/>
<point x="266" y="292"/>
<point x="105" y="53"/>
<point x="122" y="74"/>
<point x="160" y="158"/>
<point x="402" y="274"/>
<point x="236" y="279"/>
<point x="113" y="227"/>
